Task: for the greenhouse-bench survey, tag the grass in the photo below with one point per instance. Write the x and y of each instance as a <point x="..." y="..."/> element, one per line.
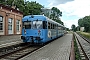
<point x="85" y="34"/>
<point x="77" y="54"/>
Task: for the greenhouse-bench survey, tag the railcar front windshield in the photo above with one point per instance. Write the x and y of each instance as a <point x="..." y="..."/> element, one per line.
<point x="27" y="24"/>
<point x="37" y="24"/>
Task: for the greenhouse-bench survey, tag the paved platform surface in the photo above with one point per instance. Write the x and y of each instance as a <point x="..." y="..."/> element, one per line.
<point x="56" y="50"/>
<point x="10" y="40"/>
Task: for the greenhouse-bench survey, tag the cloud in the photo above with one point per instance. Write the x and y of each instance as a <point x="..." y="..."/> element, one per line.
<point x="57" y="2"/>
<point x="79" y="8"/>
<point x="73" y="10"/>
<point x="68" y="23"/>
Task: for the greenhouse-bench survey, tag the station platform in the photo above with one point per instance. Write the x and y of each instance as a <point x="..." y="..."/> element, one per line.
<point x="59" y="49"/>
<point x="10" y="40"/>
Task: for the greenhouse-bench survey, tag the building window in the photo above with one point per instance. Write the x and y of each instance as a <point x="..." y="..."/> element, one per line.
<point x="10" y="24"/>
<point x="18" y="25"/>
<point x="1" y="23"/>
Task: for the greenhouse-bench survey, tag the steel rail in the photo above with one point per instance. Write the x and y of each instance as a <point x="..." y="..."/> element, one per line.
<point x="15" y="55"/>
<point x="85" y="55"/>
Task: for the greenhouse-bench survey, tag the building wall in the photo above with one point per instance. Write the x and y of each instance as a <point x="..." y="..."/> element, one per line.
<point x="2" y="14"/>
<point x="81" y="28"/>
<point x="7" y="14"/>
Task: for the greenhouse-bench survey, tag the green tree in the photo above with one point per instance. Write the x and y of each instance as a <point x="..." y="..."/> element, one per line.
<point x="56" y="13"/>
<point x="34" y="8"/>
<point x="73" y="27"/>
<point x="85" y="22"/>
<point x="59" y="21"/>
<point x="24" y="6"/>
<point x="67" y="29"/>
<point x="80" y="22"/>
<point x="78" y="28"/>
<point x="3" y="2"/>
<point x="17" y="3"/>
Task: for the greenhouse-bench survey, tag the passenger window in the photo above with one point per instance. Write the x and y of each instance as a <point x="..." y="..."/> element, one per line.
<point x="51" y="26"/>
<point x="37" y="24"/>
<point x="44" y="24"/>
<point x="54" y="26"/>
<point x="48" y="25"/>
<point x="27" y="24"/>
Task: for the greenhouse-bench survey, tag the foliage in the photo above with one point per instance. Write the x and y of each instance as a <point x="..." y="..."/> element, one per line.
<point x="77" y="54"/>
<point x="26" y="7"/>
<point x="34" y="8"/>
<point x="76" y="50"/>
<point x="3" y="2"/>
<point x="85" y="22"/>
<point x="67" y="29"/>
<point x="73" y="27"/>
<point x="59" y="21"/>
<point x="78" y="28"/>
<point x="56" y="13"/>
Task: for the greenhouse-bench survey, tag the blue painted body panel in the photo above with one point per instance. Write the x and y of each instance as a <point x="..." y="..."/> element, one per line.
<point x="34" y="32"/>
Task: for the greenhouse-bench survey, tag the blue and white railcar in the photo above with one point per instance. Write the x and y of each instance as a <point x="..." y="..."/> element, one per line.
<point x="40" y="29"/>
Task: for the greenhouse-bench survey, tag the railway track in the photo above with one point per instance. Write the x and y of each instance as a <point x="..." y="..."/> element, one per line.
<point x="84" y="47"/>
<point x="17" y="52"/>
<point x="88" y="40"/>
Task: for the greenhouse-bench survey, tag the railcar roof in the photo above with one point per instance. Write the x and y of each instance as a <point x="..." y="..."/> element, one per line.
<point x="34" y="17"/>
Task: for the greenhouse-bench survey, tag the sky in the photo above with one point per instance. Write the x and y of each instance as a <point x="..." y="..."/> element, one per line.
<point x="72" y="10"/>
